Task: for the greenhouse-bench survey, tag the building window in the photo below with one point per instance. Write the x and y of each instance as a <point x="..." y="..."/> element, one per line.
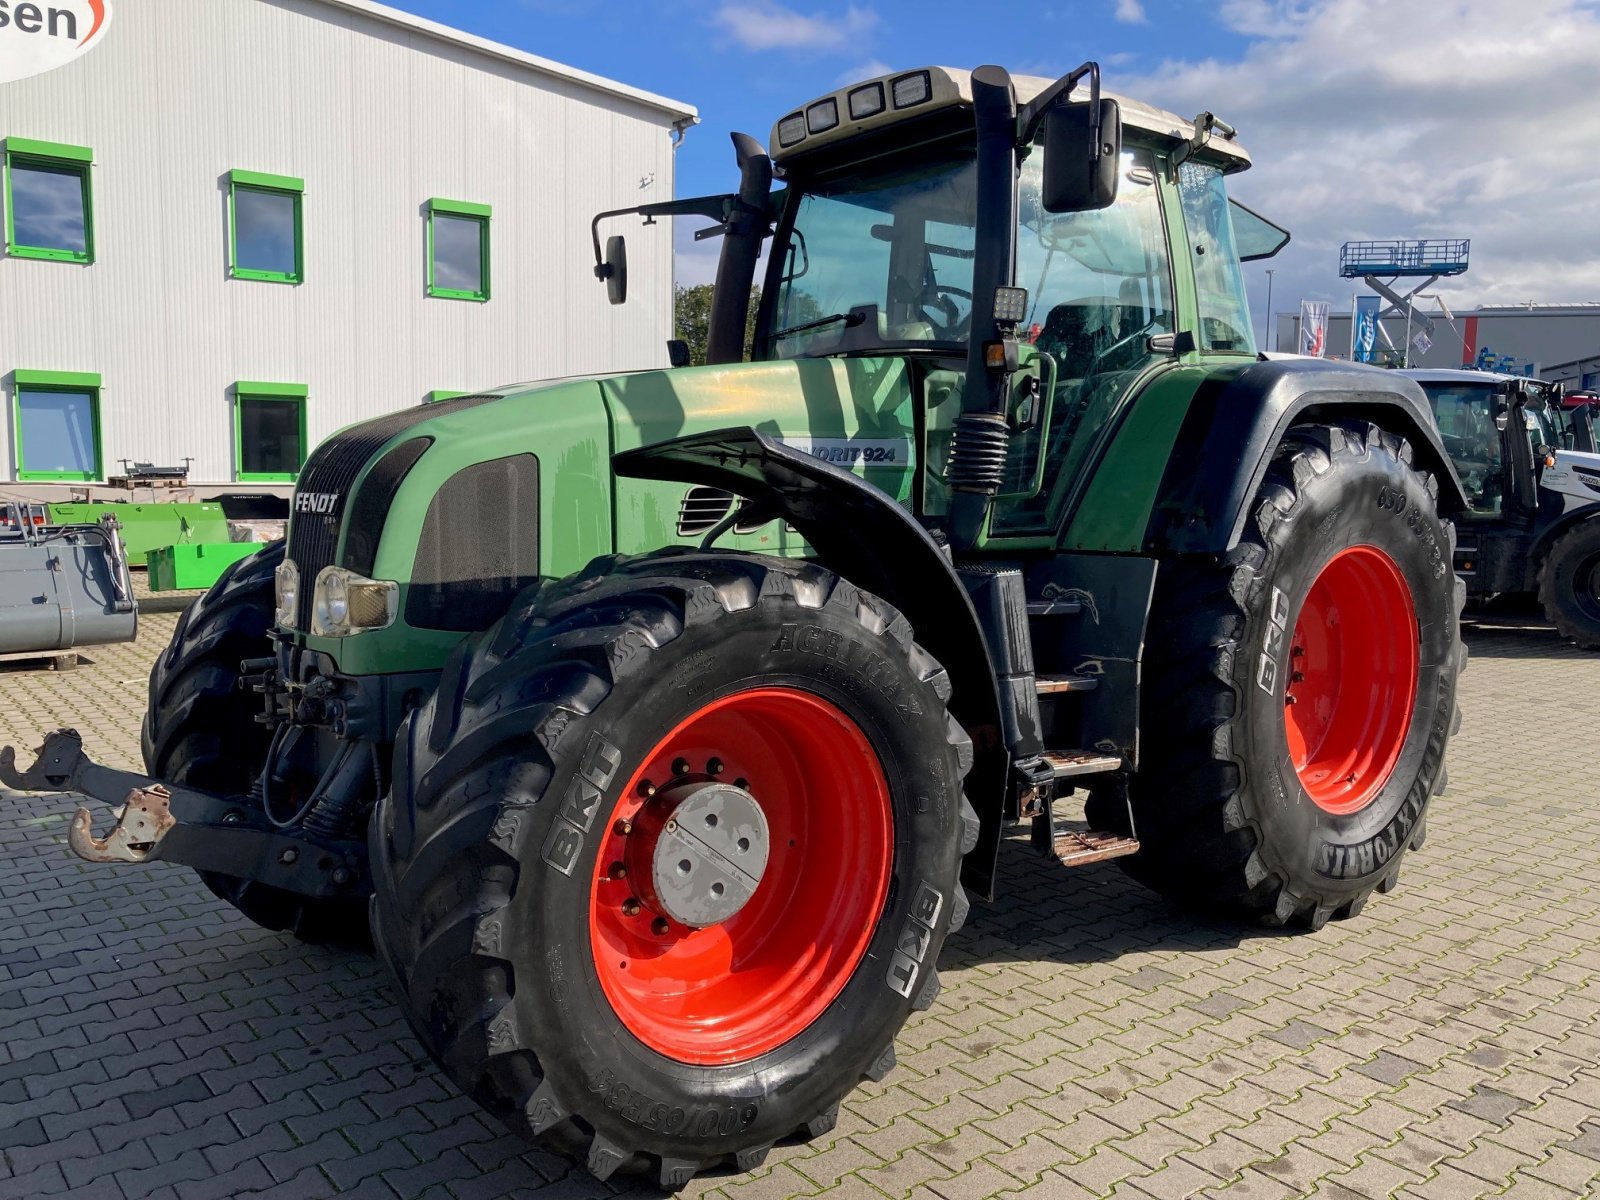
<point x="458" y="250"/>
<point x="269" y="431"/>
<point x="58" y="425"/>
<point x="265" y="227"/>
<point x="49" y="208"/>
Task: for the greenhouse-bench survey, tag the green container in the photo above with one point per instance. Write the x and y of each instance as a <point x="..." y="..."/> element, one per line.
<point x="193" y="565"/>
<point x="147" y="527"/>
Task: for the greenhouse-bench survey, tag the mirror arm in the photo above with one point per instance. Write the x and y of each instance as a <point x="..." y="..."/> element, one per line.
<point x="716" y="208"/>
<point x="1033" y="113"/>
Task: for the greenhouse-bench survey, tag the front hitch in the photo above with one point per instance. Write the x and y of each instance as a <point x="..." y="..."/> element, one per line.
<point x="158" y="821"/>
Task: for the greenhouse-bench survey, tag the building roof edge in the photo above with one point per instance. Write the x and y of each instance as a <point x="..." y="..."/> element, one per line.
<point x="546" y="66"/>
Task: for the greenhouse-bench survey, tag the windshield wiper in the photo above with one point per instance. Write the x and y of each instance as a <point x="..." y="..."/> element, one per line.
<point x="850" y="319"/>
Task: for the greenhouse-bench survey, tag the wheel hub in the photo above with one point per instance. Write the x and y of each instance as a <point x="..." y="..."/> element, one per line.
<point x="698" y="852"/>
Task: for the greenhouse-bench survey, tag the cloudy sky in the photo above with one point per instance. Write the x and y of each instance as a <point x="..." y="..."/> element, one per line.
<point x="1367" y="118"/>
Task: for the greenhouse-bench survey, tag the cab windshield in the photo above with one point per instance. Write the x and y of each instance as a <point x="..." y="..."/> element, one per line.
<point x="893" y="248"/>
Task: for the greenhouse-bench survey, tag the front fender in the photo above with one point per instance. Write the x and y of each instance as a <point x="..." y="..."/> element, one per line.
<point x="864" y="535"/>
<point x="1236" y="422"/>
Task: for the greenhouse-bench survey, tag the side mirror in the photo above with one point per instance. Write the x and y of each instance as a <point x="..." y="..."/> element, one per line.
<point x="1075" y="180"/>
<point x="615" y="269"/>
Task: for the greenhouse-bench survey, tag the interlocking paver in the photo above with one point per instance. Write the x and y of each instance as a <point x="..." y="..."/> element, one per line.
<point x="1089" y="1041"/>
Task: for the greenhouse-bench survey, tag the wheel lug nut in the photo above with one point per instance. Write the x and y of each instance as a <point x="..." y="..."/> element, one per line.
<point x="623" y="827"/>
<point x="659" y="927"/>
<point x="714" y="767"/>
<point x="1298" y="652"/>
<point x="619" y="871"/>
<point x="672" y="826"/>
<point x="647" y="789"/>
<point x="1290" y="700"/>
<point x="742" y="783"/>
<point x="1297" y="677"/>
<point x="680" y="766"/>
<point x="630" y="907"/>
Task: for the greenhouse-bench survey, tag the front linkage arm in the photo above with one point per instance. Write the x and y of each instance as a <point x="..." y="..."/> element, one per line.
<point x="159" y="821"/>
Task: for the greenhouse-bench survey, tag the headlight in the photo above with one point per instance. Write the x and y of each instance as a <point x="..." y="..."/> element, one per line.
<point x="286" y="593"/>
<point x="344" y="603"/>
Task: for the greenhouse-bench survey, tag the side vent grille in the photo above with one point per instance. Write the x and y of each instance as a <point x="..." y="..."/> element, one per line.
<point x="703" y="507"/>
<point x="479" y="546"/>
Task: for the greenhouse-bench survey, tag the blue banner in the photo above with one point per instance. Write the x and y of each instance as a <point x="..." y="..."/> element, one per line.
<point x="1364" y="330"/>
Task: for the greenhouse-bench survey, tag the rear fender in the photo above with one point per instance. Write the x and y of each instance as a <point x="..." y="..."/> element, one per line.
<point x="864" y="535"/>
<point x="1236" y="422"/>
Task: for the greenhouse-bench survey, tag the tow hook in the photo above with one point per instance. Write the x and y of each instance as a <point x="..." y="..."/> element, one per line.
<point x="143" y="819"/>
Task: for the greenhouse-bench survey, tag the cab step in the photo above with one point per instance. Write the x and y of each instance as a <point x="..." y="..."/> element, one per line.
<point x="1068" y="764"/>
<point x="1080" y="847"/>
<point x="1058" y="685"/>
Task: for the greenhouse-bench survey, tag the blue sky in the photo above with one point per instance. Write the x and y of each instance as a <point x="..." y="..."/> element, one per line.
<point x="1367" y="118"/>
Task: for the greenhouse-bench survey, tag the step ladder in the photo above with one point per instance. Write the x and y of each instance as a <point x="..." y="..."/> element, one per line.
<point x="1071" y="842"/>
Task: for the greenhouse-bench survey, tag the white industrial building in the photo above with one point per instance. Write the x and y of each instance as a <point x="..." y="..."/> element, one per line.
<point x="234" y="226"/>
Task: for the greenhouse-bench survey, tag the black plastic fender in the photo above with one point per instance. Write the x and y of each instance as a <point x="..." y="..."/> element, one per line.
<point x="1237" y="420"/>
<point x="866" y="537"/>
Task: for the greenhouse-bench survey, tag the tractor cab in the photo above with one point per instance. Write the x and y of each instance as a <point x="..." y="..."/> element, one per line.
<point x="1034" y="251"/>
<point x="1528" y="465"/>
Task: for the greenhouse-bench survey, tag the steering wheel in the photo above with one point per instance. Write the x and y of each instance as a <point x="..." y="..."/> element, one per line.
<point x="950" y="323"/>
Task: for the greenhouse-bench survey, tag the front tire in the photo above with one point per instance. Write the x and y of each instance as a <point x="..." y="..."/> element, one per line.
<point x="542" y="953"/>
<point x="1569" y="584"/>
<point x="1300" y="689"/>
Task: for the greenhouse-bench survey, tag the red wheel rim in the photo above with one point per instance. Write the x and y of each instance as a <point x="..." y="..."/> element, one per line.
<point x="735" y="990"/>
<point x="1352" y="681"/>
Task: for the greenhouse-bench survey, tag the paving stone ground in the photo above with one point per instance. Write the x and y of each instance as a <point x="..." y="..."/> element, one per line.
<point x="1090" y="1040"/>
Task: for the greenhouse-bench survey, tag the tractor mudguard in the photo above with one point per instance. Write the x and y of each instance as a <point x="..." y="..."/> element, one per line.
<point x="861" y="533"/>
<point x="1236" y="422"/>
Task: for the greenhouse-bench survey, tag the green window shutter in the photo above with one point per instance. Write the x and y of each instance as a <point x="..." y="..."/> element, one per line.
<point x="266" y="227"/>
<point x="51" y="177"/>
<point x="458" y="250"/>
<point x="56" y="426"/>
<point x="269" y="431"/>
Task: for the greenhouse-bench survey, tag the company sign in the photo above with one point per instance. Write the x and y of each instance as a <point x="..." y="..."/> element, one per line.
<point x="40" y="35"/>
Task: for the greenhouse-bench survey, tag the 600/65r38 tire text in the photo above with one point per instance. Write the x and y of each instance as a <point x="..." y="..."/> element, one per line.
<point x="670" y="855"/>
<point x="200" y="730"/>
<point x="1300" y="689"/>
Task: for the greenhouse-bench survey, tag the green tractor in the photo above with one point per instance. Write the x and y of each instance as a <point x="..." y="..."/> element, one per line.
<point x="665" y="721"/>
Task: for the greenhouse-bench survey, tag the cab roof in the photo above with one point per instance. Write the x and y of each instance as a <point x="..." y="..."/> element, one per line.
<point x="951" y="87"/>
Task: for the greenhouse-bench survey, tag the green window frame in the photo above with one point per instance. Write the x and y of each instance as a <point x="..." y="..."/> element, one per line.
<point x="246" y="391"/>
<point x="70" y="382"/>
<point x="58" y="158"/>
<point x="272" y="185"/>
<point x="460" y="210"/>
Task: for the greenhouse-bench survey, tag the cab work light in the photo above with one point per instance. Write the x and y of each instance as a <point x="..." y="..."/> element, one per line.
<point x="792" y="130"/>
<point x="866" y="101"/>
<point x="823" y="115"/>
<point x="911" y="89"/>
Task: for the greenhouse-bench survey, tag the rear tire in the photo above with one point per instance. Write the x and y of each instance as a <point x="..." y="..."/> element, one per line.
<point x="200" y="730"/>
<point x="1245" y="802"/>
<point x="1569" y="584"/>
<point x="516" y="790"/>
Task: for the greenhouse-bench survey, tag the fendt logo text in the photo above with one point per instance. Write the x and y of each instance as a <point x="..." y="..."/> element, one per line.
<point x="38" y="37"/>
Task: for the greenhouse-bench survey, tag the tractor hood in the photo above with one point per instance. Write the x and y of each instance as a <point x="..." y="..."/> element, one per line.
<point x="463" y="502"/>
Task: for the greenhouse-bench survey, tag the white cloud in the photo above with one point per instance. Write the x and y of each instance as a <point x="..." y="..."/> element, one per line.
<point x="766" y="25"/>
<point x="1130" y="12"/>
<point x="1369" y="119"/>
<point x="870" y="69"/>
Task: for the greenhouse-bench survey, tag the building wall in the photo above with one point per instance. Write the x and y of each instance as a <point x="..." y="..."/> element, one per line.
<point x="1545" y="336"/>
<point x="376" y="119"/>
